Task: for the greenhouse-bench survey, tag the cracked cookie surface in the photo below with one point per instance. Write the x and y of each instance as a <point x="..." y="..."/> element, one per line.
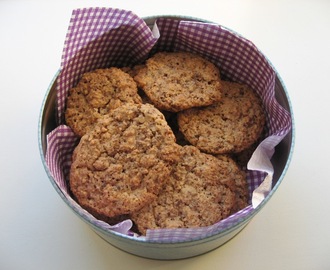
<point x="236" y="174"/>
<point x="96" y="94"/>
<point x="175" y="81"/>
<point x="121" y="164"/>
<point x="228" y="126"/>
<point x="198" y="193"/>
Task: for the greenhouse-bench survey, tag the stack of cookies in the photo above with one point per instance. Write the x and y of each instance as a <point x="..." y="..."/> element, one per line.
<point x="158" y="140"/>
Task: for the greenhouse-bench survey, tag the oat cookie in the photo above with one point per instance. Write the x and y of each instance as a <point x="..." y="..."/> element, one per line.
<point x="179" y="80"/>
<point x="242" y="158"/>
<point x="228" y="126"/>
<point x="198" y="193"/>
<point x="121" y="164"/>
<point x="97" y="93"/>
<point x="236" y="174"/>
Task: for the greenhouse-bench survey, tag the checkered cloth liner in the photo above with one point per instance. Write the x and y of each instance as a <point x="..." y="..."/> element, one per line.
<point x="103" y="37"/>
<point x="99" y="38"/>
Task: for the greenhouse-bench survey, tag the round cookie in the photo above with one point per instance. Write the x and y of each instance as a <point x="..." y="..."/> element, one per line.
<point x="121" y="164"/>
<point x="176" y="81"/>
<point x="97" y="93"/>
<point x="197" y="194"/>
<point x="228" y="126"/>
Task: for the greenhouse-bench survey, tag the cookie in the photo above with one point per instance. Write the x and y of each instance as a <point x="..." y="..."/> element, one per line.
<point x="198" y="193"/>
<point x="97" y="93"/>
<point x="228" y="126"/>
<point x="121" y="164"/>
<point x="242" y="158"/>
<point x="132" y="71"/>
<point x="177" y="81"/>
<point x="236" y="174"/>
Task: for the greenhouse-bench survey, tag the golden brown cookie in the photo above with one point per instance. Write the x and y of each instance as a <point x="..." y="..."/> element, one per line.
<point x="228" y="126"/>
<point x="242" y="158"/>
<point x="97" y="93"/>
<point x="121" y="164"/>
<point x="179" y="80"/>
<point x="197" y="194"/>
<point x="240" y="187"/>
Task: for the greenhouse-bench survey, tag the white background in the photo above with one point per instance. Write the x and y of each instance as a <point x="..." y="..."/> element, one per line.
<point x="37" y="229"/>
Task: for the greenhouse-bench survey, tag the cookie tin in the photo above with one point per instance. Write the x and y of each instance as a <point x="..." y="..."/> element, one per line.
<point x="170" y="250"/>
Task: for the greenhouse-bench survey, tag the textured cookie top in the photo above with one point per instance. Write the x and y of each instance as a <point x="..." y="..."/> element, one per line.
<point x="229" y="126"/>
<point x="236" y="174"/>
<point x="97" y="93"/>
<point x="121" y="164"/>
<point x="197" y="194"/>
<point x="177" y="81"/>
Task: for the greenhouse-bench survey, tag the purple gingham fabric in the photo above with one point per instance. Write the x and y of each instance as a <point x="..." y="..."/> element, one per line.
<point x="60" y="145"/>
<point x="99" y="38"/>
<point x="103" y="37"/>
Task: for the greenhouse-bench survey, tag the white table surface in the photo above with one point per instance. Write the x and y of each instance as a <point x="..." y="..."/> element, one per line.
<point x="38" y="230"/>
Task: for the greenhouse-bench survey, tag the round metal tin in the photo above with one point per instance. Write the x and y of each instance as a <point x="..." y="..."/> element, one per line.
<point x="168" y="251"/>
